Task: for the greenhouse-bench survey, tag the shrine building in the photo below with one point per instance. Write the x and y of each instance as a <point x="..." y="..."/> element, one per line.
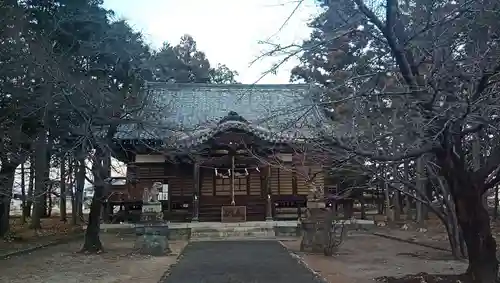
<point x="222" y="152"/>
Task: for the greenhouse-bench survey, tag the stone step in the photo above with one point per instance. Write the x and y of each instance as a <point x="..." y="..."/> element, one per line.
<point x="229" y="232"/>
<point x="235" y="238"/>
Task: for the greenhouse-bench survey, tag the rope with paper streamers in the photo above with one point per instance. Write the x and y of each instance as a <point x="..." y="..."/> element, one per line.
<point x="236" y="174"/>
<point x="256" y="168"/>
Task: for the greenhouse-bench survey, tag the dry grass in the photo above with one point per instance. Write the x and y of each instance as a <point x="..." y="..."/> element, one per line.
<point x="22" y="237"/>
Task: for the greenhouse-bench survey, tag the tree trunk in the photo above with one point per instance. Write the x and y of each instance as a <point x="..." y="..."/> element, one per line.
<point x="49" y="186"/>
<point x="408" y="200"/>
<point x="449" y="219"/>
<point x="62" y="192"/>
<point x="74" y="212"/>
<point x="362" y="202"/>
<point x="39" y="208"/>
<point x="48" y="196"/>
<point x="106" y="215"/>
<point x="380" y="190"/>
<point x="92" y="241"/>
<point x="396" y="200"/>
<point x="420" y="184"/>
<point x="29" y="197"/>
<point x="481" y="246"/>
<point x="456" y="231"/>
<point x="80" y="184"/>
<point x="408" y="208"/>
<point x="476" y="161"/>
<point x="495" y="213"/>
<point x="387" y="206"/>
<point x="455" y="247"/>
<point x="396" y="197"/>
<point x="7" y="175"/>
<point x="380" y="199"/>
<point x="23" y="193"/>
<point x="453" y="232"/>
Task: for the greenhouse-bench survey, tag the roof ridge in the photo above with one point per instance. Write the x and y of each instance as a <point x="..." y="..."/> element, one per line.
<point x="166" y="85"/>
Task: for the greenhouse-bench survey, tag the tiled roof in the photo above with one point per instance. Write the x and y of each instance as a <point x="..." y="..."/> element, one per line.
<point x="191" y="111"/>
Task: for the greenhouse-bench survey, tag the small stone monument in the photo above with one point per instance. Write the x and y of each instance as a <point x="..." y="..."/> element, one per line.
<point x="315" y="224"/>
<point x="152" y="232"/>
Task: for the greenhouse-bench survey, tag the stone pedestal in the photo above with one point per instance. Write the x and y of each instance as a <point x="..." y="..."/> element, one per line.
<point x="152" y="239"/>
<point x="152" y="232"/>
<point x="315" y="227"/>
<point x="151" y="212"/>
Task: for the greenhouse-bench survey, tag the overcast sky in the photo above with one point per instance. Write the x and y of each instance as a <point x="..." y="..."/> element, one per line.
<point x="228" y="31"/>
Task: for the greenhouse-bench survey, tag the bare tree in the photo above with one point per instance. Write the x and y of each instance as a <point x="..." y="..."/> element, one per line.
<point x="424" y="72"/>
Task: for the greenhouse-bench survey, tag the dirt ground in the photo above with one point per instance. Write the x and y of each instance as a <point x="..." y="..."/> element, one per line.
<point x="364" y="257"/>
<point x="64" y="264"/>
<point x="21" y="237"/>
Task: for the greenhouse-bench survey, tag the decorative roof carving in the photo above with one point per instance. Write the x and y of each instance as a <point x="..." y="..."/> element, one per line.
<point x="233" y="116"/>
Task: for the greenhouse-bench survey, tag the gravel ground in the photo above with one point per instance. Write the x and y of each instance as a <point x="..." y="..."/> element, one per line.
<point x="238" y="262"/>
<point x="364" y="257"/>
<point x="63" y="264"/>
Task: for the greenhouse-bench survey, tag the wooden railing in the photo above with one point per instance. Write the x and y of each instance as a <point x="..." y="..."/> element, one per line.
<point x="180" y="210"/>
<point x="288" y="207"/>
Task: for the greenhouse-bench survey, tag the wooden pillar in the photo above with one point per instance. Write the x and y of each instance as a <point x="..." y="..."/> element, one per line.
<point x="232" y="181"/>
<point x="196" y="192"/>
<point x="294" y="190"/>
<point x="269" y="206"/>
<point x="269" y="210"/>
<point x="168" y="215"/>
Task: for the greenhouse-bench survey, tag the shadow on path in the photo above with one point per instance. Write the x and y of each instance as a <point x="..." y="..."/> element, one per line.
<point x="238" y="262"/>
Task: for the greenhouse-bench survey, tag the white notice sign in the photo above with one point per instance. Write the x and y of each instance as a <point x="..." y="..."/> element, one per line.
<point x="163" y="195"/>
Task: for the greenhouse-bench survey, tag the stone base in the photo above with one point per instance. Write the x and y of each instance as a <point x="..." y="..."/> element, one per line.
<point x="316" y="229"/>
<point x="317" y="239"/>
<point x="151" y="211"/>
<point x="315" y="204"/>
<point x="152" y="239"/>
<point x="155" y="245"/>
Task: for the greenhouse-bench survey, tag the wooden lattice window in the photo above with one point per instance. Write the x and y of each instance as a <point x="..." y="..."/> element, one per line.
<point x="240" y="185"/>
<point x="222" y="186"/>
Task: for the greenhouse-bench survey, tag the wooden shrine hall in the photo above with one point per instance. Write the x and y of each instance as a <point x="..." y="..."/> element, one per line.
<point x="221" y="153"/>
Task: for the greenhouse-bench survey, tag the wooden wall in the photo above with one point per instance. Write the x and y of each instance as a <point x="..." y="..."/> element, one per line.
<point x="255" y="183"/>
<point x="290" y="180"/>
<point x="207" y="183"/>
<point x="281" y="181"/>
<point x="304" y="172"/>
<point x="179" y="179"/>
<point x="212" y="186"/>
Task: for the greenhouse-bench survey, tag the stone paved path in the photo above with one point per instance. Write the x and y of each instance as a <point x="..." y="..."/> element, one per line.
<point x="238" y="262"/>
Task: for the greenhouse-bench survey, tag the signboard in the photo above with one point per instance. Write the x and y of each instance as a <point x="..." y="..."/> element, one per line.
<point x="163" y="195"/>
<point x="151" y="207"/>
<point x="233" y="213"/>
